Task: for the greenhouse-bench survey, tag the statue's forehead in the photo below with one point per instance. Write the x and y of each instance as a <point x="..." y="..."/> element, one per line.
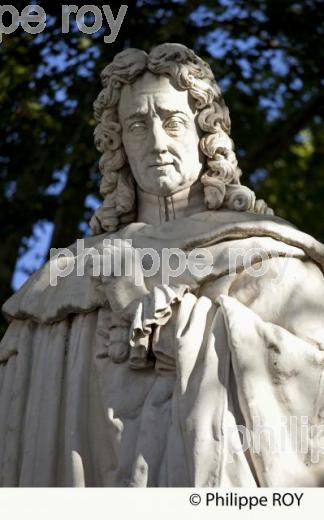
<point x="152" y="87"/>
<point x="150" y="82"/>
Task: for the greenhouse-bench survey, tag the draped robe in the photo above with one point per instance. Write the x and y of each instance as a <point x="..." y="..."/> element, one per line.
<point x="178" y="397"/>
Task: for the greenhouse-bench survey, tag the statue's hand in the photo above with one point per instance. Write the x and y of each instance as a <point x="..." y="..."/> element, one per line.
<point x="262" y="208"/>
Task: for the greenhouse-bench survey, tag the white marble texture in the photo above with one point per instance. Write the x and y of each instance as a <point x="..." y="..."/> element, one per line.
<point x="104" y="382"/>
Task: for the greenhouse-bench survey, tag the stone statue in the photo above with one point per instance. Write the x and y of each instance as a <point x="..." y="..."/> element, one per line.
<point x="211" y="377"/>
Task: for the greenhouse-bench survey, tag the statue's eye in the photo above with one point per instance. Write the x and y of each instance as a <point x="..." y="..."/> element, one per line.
<point x="175" y="124"/>
<point x="137" y="127"/>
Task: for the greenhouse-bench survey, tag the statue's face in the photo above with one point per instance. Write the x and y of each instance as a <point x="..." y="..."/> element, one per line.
<point x="160" y="135"/>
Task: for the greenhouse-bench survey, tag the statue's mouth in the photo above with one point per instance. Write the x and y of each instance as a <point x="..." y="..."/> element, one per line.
<point x="161" y="164"/>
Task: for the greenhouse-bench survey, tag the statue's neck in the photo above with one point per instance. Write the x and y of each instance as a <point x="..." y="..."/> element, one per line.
<point x="155" y="210"/>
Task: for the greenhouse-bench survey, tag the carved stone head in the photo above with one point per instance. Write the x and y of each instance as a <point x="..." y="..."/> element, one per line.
<point x="163" y="124"/>
<point x="160" y="135"/>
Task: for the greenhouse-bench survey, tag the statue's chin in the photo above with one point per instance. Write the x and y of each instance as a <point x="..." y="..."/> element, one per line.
<point x="162" y="186"/>
<point x="165" y="188"/>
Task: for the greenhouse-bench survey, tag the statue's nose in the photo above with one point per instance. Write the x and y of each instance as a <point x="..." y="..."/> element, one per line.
<point x="159" y="138"/>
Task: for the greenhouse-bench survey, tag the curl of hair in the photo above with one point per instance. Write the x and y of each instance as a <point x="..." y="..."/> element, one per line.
<point x="239" y="198"/>
<point x="186" y="72"/>
<point x="215" y="115"/>
<point x="214" y="190"/>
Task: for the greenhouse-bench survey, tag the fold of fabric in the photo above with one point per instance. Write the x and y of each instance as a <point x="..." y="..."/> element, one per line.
<point x="72" y="417"/>
<point x="221" y="233"/>
<point x="280" y="385"/>
<point x="153" y="312"/>
<point x="216" y="359"/>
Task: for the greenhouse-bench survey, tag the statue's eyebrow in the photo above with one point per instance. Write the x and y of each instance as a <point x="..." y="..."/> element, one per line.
<point x="163" y="111"/>
<point x="171" y="112"/>
<point x="138" y="113"/>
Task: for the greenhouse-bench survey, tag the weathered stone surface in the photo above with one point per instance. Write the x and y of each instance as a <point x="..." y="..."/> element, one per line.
<point x="213" y="378"/>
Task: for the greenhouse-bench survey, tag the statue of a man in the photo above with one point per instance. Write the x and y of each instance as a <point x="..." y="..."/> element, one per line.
<point x="206" y="377"/>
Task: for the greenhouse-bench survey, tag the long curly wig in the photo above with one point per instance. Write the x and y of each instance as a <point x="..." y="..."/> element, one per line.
<point x="221" y="178"/>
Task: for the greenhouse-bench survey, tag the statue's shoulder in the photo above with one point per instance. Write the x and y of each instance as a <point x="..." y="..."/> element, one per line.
<point x="64" y="286"/>
<point x="61" y="287"/>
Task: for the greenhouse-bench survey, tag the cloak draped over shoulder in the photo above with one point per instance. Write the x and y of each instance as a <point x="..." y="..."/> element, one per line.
<point x="218" y="381"/>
